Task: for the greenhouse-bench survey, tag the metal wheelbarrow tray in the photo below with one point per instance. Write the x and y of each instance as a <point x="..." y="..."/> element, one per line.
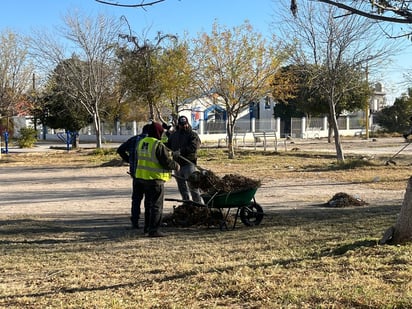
<point x="249" y="212"/>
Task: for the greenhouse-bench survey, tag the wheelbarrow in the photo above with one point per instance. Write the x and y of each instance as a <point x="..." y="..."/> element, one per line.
<point x="243" y="201"/>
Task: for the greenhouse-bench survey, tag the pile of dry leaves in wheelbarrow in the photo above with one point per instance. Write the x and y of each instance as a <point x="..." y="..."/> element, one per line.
<point x="208" y="182"/>
<point x="189" y="214"/>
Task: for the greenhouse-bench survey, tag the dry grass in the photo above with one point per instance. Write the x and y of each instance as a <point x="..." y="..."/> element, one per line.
<point x="307" y="258"/>
<point x="303" y="164"/>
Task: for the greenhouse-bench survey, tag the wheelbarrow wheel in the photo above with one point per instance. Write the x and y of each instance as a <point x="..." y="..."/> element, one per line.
<point x="252" y="214"/>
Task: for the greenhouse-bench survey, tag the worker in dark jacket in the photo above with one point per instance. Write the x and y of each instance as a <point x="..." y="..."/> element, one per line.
<point x="184" y="143"/>
<point x="128" y="152"/>
<point x="153" y="169"/>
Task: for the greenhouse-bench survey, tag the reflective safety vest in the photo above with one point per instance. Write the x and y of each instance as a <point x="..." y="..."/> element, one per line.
<point x="164" y="139"/>
<point x="148" y="167"/>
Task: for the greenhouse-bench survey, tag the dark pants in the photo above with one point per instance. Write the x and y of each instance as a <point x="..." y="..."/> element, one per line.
<point x="184" y="187"/>
<point x="153" y="191"/>
<point x="137" y="196"/>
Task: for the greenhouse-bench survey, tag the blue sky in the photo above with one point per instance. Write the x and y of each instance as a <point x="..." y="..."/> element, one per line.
<point x="174" y="17"/>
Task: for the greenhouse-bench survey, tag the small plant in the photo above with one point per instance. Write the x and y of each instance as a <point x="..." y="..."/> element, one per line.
<point x="103" y="152"/>
<point x="353" y="163"/>
<point x="28" y="136"/>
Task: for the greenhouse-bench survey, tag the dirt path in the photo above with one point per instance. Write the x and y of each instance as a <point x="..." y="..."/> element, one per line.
<point x="64" y="192"/>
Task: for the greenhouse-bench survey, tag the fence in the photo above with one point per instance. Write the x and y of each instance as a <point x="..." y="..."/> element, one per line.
<point x="214" y="131"/>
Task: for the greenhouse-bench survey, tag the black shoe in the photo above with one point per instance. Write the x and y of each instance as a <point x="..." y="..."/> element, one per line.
<point x="135" y="224"/>
<point x="156" y="234"/>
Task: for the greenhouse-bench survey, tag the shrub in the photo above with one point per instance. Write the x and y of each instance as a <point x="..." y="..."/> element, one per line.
<point x="28" y="136"/>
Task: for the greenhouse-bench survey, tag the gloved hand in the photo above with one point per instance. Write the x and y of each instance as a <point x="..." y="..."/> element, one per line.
<point x="176" y="154"/>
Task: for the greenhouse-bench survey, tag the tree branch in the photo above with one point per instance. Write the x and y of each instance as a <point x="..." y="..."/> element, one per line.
<point x="405" y="13"/>
<point x="142" y="4"/>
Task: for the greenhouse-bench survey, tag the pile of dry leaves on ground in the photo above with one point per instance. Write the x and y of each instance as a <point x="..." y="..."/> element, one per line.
<point x="342" y="199"/>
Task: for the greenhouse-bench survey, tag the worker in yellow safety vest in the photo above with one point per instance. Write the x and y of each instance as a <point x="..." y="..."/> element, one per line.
<point x="153" y="169"/>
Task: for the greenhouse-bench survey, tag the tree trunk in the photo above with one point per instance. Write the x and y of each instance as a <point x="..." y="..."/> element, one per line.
<point x="330" y="131"/>
<point x="97" y="125"/>
<point x="339" y="151"/>
<point x="75" y="140"/>
<point x="334" y="123"/>
<point x="230" y="146"/>
<point x="402" y="231"/>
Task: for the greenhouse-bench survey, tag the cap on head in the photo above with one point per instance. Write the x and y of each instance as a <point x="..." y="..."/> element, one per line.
<point x="182" y="120"/>
<point x="166" y="126"/>
<point x="145" y="129"/>
<point x="155" y="130"/>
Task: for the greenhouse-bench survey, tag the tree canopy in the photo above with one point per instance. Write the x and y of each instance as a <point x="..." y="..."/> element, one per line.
<point x="15" y="72"/>
<point x="155" y="74"/>
<point x="238" y="66"/>
<point x="397" y="117"/>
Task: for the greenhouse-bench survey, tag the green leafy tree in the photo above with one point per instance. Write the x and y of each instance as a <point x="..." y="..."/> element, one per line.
<point x="396" y="118"/>
<point x="305" y="98"/>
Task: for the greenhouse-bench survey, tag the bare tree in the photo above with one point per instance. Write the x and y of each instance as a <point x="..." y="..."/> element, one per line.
<point x="334" y="48"/>
<point x="91" y="78"/>
<point x="15" y="72"/>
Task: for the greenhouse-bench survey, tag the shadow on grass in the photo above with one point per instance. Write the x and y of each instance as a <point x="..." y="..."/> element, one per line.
<point x="316" y="214"/>
<point x="80" y="230"/>
<point x="104" y="228"/>
<point x="45" y="232"/>
<point x="340" y="250"/>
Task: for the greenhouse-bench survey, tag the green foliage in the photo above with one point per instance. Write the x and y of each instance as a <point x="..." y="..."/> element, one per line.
<point x="309" y="97"/>
<point x="154" y="73"/>
<point x="396" y="118"/>
<point x="238" y="66"/>
<point x="28" y="136"/>
<point x="352" y="164"/>
<point x="6" y="124"/>
<point x="103" y="152"/>
<point x="60" y="107"/>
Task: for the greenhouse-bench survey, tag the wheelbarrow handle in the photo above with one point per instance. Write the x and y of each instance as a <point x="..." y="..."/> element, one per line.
<point x="390" y="160"/>
<point x="192" y="203"/>
<point x="190" y="162"/>
<point x="178" y="177"/>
